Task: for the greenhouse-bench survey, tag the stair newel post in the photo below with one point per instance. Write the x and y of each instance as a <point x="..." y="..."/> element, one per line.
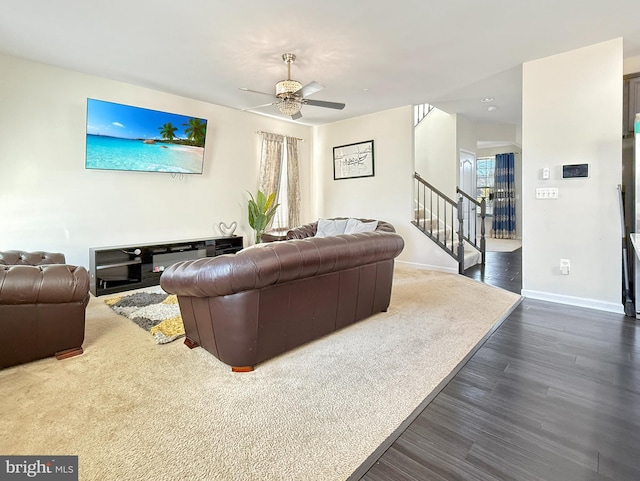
<point x="416" y="187"/>
<point x="483" y="214"/>
<point x="460" y="236"/>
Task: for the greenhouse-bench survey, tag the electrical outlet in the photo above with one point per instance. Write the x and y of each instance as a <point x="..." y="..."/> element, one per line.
<point x="565" y="266"/>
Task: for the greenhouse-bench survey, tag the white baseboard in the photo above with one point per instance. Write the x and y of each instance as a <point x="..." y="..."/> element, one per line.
<point x="450" y="270"/>
<point x="574" y="301"/>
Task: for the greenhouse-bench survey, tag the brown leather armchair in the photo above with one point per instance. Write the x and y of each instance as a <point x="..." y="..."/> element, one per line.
<point x="42" y="306"/>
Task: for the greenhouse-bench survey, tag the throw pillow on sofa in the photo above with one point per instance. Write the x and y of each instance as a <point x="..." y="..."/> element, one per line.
<point x="355" y="226"/>
<point x="328" y="228"/>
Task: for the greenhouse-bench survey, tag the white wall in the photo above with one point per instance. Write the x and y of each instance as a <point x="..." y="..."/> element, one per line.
<point x="572" y="111"/>
<point x="389" y="194"/>
<point x="631" y="65"/>
<point x="48" y="201"/>
<point x="498" y="133"/>
<point x="436" y="155"/>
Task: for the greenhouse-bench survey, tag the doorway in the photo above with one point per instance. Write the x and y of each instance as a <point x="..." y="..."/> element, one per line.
<point x="467" y="182"/>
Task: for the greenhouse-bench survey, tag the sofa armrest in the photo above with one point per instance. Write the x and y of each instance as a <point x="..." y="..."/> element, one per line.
<point x="278" y="262"/>
<point x="303" y="231"/>
<point x="44" y="284"/>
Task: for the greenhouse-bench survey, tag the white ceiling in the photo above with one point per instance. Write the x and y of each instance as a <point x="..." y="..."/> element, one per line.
<point x="373" y="55"/>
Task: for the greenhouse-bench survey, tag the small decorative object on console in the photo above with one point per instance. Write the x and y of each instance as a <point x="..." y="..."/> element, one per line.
<point x="227" y="230"/>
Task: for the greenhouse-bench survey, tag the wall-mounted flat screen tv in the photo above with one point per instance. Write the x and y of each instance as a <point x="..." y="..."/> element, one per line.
<point x="122" y="137"/>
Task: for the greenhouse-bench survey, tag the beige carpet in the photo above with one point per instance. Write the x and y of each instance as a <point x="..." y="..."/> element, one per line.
<point x="135" y="410"/>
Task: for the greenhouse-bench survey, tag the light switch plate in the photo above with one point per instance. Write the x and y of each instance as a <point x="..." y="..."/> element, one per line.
<point x="547" y="193"/>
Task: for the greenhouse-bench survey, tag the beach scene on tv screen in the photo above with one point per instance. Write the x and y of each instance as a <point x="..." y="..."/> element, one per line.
<point x="123" y="137"/>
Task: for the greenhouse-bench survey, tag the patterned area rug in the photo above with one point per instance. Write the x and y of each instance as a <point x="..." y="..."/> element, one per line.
<point x="157" y="313"/>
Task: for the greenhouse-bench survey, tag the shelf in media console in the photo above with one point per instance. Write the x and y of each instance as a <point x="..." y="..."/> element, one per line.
<point x="124" y="267"/>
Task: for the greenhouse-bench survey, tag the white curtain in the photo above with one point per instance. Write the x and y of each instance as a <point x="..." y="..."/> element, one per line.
<point x="281" y="179"/>
<point x="293" y="181"/>
<point x="270" y="163"/>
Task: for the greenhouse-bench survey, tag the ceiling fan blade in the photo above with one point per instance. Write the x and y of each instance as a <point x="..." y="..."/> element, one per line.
<point x="296" y="116"/>
<point x="259" y="106"/>
<point x="256" y="92"/>
<point x="309" y="89"/>
<point x="322" y="103"/>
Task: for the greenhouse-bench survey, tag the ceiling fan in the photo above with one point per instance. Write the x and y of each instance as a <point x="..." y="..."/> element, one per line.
<point x="291" y="95"/>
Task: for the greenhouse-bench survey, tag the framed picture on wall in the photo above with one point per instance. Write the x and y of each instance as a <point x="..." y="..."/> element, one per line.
<point x="353" y="160"/>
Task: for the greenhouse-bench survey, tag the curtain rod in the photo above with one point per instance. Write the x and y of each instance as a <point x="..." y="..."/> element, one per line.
<point x="291" y="137"/>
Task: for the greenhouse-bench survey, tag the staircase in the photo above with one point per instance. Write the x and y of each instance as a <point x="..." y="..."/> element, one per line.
<point x="452" y="225"/>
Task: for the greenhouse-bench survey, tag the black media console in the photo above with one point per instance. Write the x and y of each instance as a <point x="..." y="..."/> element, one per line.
<point x="121" y="268"/>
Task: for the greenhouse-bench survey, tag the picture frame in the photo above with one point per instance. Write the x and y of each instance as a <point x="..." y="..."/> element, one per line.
<point x="353" y="161"/>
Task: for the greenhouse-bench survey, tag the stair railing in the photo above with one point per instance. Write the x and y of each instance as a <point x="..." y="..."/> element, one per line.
<point x="470" y="234"/>
<point x="435" y="215"/>
<point x="420" y="111"/>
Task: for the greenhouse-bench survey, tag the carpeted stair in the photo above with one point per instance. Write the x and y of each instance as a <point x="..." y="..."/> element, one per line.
<point x="441" y="232"/>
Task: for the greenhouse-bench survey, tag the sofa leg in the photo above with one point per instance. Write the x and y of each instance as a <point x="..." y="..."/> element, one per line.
<point x="190" y="343"/>
<point x="241" y="368"/>
<point x="67" y="353"/>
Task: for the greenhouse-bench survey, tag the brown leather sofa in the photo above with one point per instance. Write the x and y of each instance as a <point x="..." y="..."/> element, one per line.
<point x="248" y="307"/>
<point x="42" y="306"/>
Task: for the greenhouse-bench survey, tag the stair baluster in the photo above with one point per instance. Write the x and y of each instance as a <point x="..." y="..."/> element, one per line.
<point x="439" y="220"/>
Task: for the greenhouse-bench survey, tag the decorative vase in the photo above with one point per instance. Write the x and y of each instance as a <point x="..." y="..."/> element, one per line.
<point x="227" y="230"/>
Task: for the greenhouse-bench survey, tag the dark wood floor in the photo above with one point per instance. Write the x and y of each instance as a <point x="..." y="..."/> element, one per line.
<point x="501" y="269"/>
<point x="553" y="394"/>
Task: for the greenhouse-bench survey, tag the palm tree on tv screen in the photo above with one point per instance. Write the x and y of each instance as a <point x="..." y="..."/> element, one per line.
<point x="168" y="131"/>
<point x="195" y="131"/>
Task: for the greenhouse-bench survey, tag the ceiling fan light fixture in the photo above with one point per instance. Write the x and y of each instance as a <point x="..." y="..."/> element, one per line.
<point x="287" y="87"/>
<point x="291" y="95"/>
<point x="289" y="106"/>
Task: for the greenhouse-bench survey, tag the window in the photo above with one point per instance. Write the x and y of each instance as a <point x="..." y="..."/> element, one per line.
<point x="281" y="219"/>
<point x="279" y="173"/>
<point x="485" y="180"/>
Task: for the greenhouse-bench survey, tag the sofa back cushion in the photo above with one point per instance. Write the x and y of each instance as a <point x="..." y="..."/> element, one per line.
<point x="329" y="227"/>
<point x="45" y="284"/>
<point x="355" y="226"/>
<point x="310" y="230"/>
<point x="37" y="258"/>
<point x="277" y="263"/>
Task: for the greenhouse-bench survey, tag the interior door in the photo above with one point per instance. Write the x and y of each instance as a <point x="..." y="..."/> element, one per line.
<point x="467" y="183"/>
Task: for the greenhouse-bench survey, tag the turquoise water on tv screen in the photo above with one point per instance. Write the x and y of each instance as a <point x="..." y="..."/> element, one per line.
<point x="112" y="153"/>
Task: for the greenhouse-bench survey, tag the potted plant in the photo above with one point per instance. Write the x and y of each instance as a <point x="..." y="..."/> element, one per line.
<point x="261" y="211"/>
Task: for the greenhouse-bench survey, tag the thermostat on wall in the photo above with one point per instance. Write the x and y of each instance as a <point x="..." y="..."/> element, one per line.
<point x="573" y="171"/>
